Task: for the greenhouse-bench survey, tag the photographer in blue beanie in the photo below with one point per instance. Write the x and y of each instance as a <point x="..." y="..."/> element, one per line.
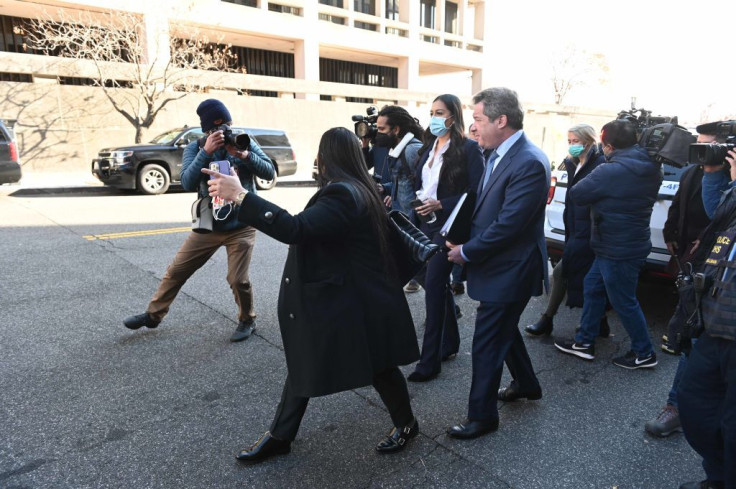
<point x="237" y="238"/>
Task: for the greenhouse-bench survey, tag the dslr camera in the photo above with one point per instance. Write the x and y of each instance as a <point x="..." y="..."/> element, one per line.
<point x="664" y="140"/>
<point x="240" y="141"/>
<point x="714" y="154"/>
<point x="365" y="125"/>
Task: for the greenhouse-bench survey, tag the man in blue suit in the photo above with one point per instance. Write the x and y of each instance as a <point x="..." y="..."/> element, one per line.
<point x="506" y="258"/>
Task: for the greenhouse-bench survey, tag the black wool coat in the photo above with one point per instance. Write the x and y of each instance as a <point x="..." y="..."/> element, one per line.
<point x="342" y="318"/>
<point x="577" y="256"/>
<point x="686" y="218"/>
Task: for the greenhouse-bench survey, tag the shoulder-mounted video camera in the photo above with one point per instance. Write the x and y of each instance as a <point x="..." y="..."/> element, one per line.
<point x="365" y="125"/>
<point x="664" y="140"/>
<point x="714" y="154"/>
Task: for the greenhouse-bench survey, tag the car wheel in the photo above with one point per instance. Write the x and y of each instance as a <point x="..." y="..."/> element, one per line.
<point x="262" y="184"/>
<point x="153" y="179"/>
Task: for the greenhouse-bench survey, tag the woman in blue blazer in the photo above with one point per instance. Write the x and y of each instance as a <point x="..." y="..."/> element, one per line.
<point x="449" y="165"/>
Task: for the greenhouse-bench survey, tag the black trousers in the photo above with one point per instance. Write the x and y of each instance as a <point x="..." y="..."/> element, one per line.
<point x="441" y="334"/>
<point x="389" y="384"/>
<point x="497" y="339"/>
<point x="706" y="399"/>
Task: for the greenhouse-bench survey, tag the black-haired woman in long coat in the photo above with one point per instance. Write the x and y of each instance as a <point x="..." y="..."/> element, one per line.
<point x="344" y="320"/>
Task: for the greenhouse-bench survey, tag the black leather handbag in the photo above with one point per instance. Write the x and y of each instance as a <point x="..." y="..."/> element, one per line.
<point x="411" y="248"/>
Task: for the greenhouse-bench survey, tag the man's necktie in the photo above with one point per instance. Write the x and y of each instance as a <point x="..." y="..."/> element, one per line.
<point x="489" y="169"/>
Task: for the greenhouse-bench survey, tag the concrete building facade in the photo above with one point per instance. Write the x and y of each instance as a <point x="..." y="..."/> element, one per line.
<point x="310" y="65"/>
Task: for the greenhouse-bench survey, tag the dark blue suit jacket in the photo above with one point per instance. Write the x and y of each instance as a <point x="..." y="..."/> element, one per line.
<point x="507" y="251"/>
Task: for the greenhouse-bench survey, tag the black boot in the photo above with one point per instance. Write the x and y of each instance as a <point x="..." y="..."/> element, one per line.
<point x="397" y="438"/>
<point x="266" y="447"/>
<point x="543" y="326"/>
<point x="139" y="320"/>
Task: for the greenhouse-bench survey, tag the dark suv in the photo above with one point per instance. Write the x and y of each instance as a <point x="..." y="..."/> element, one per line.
<point x="9" y="161"/>
<point x="151" y="168"/>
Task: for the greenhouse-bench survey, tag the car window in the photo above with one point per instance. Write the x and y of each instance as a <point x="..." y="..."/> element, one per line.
<point x="192" y="135"/>
<point x="2" y="136"/>
<point x="673" y="173"/>
<point x="167" y="137"/>
<point x="272" y="140"/>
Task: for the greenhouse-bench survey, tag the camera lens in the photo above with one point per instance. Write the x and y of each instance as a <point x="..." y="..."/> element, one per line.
<point x="361" y="129"/>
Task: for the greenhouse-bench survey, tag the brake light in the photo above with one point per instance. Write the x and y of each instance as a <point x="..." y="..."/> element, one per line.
<point x="552" y="187"/>
<point x="293" y="154"/>
<point x="13" y="151"/>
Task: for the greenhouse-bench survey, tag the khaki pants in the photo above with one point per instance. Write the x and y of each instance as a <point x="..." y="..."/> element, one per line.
<point x="196" y="250"/>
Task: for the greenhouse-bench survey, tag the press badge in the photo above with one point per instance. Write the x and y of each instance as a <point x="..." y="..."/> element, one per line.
<point x="721" y="248"/>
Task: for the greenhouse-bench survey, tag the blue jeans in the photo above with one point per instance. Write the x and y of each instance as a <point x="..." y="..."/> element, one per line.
<point x="618" y="279"/>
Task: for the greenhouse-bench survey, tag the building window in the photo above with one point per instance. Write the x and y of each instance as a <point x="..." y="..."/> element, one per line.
<point x="332" y="18"/>
<point x="366" y="26"/>
<point x="263" y="62"/>
<point x="392" y="9"/>
<point x="247" y="3"/>
<point x="332" y="3"/>
<point x="365" y="6"/>
<point x="16" y="77"/>
<point x="333" y="70"/>
<point x="12" y="35"/>
<point x="451" y="17"/>
<point x="283" y="9"/>
<point x="426" y="13"/>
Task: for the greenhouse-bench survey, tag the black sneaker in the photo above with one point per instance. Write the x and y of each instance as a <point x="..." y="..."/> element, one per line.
<point x="243" y="331"/>
<point x="632" y="361"/>
<point x="140" y="320"/>
<point x="582" y="350"/>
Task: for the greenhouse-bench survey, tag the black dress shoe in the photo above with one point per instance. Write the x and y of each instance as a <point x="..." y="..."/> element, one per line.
<point x="449" y="356"/>
<point x="417" y="376"/>
<point x="543" y="326"/>
<point x="473" y="428"/>
<point x="243" y="331"/>
<point x="266" y="447"/>
<point x="397" y="438"/>
<point x="512" y="393"/>
<point x="140" y="320"/>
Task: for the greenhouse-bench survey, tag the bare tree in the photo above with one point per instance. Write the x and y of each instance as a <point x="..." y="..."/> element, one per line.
<point x="573" y="67"/>
<point x="138" y="80"/>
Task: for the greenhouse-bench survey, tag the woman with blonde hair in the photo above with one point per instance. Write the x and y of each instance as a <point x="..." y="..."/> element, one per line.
<point x="584" y="155"/>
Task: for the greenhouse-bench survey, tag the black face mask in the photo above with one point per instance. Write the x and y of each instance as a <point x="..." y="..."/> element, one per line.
<point x="385" y="140"/>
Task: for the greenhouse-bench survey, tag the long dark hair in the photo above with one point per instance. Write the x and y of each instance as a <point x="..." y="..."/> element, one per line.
<point x="454" y="165"/>
<point x="340" y="159"/>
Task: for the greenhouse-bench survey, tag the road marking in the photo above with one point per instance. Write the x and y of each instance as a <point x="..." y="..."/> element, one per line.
<point x="132" y="234"/>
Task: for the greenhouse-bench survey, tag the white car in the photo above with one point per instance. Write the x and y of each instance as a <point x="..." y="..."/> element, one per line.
<point x="656" y="263"/>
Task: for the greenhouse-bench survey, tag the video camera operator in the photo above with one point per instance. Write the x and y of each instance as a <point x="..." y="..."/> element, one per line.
<point x="707" y="390"/>
<point x="366" y="129"/>
<point x="250" y="161"/>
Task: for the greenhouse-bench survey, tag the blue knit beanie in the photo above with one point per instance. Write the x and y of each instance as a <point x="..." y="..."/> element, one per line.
<point x="211" y="110"/>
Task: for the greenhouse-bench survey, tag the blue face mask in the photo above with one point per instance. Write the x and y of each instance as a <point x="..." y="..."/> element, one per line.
<point x="437" y="126"/>
<point x="576" y="150"/>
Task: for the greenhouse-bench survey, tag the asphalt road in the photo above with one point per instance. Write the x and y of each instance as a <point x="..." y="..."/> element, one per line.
<point x="86" y="403"/>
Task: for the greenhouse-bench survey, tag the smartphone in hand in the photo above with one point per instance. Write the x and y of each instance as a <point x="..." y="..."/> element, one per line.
<point x="221" y="166"/>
